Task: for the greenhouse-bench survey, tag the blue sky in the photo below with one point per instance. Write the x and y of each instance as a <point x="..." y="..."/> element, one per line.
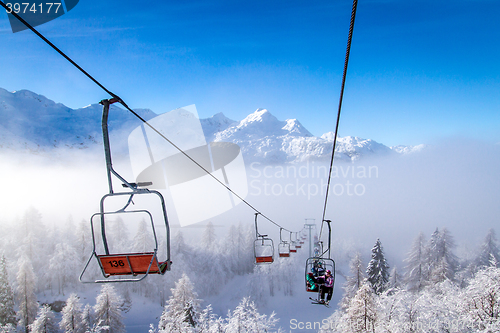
<point x="419" y="71"/>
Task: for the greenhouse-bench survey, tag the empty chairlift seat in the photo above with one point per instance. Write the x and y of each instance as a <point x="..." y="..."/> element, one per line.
<point x="131" y="264"/>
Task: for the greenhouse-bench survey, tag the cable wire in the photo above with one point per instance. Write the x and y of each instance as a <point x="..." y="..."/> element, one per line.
<point x="346" y="61"/>
<point x="134" y="113"/>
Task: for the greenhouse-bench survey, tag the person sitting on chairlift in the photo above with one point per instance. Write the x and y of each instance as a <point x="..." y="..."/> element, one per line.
<point x="318" y="269"/>
<point x="311" y="282"/>
<point x="327" y="287"/>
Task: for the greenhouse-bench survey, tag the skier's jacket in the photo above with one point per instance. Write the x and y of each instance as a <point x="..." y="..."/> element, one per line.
<point x="328" y="281"/>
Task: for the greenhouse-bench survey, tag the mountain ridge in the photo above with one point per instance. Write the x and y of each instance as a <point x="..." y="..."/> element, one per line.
<point x="35" y="123"/>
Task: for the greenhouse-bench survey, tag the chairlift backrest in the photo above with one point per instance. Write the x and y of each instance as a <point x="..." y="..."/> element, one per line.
<point x="264" y="250"/>
<point x="284" y="249"/>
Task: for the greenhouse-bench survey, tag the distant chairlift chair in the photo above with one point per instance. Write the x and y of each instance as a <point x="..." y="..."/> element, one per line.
<point x="283" y="247"/>
<point x="263" y="247"/>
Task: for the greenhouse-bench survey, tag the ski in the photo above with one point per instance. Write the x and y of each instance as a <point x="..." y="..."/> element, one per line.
<point x="316" y="301"/>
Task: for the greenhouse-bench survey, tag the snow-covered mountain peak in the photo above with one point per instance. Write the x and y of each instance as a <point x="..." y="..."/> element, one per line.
<point x="215" y="124"/>
<point x="32" y="121"/>
<point x="260" y="116"/>
<point x="220" y="117"/>
<point x="293" y="126"/>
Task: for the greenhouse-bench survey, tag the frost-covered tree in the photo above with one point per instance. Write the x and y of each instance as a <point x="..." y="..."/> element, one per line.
<point x="33" y="240"/>
<point x="208" y="322"/>
<point x="354" y="281"/>
<point x="442" y="262"/>
<point x="238" y="247"/>
<point x="127" y="300"/>
<point x="119" y="239"/>
<point x="378" y="269"/>
<point x="71" y="321"/>
<point x="83" y="241"/>
<point x="489" y="254"/>
<point x="107" y="310"/>
<point x="45" y="321"/>
<point x="482" y="300"/>
<point x="209" y="259"/>
<point x="26" y="282"/>
<point x="257" y="284"/>
<point x="143" y="240"/>
<point x="62" y="265"/>
<point x="416" y="274"/>
<point x="246" y="318"/>
<point x="396" y="311"/>
<point x="362" y="310"/>
<point x="7" y="313"/>
<point x="209" y="239"/>
<point x="182" y="309"/>
<point x="9" y="328"/>
<point x="394" y="279"/>
<point x="87" y="319"/>
<point x="31" y="229"/>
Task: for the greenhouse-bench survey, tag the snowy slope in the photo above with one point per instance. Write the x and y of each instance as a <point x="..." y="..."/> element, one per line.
<point x="32" y="122"/>
<point x="36" y="122"/>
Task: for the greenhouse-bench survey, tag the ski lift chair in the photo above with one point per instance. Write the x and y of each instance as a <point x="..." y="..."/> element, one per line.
<point x="137" y="265"/>
<point x="312" y="265"/>
<point x="298" y="242"/>
<point x="283" y="247"/>
<point x="326" y="263"/>
<point x="263" y="247"/>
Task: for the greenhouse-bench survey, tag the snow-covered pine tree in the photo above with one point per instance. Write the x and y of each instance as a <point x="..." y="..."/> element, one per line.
<point x="208" y="239"/>
<point x="107" y="310"/>
<point x="143" y="240"/>
<point x="209" y="323"/>
<point x="378" y="270"/>
<point x="416" y="274"/>
<point x="87" y="319"/>
<point x="71" y="321"/>
<point x="433" y="250"/>
<point x="62" y="265"/>
<point x="287" y="274"/>
<point x="246" y="318"/>
<point x="118" y="237"/>
<point x="257" y="284"/>
<point x="362" y="310"/>
<point x="208" y="259"/>
<point x="354" y="281"/>
<point x="83" y="241"/>
<point x="45" y="321"/>
<point x="489" y="253"/>
<point x="7" y="313"/>
<point x="127" y="300"/>
<point x="443" y="263"/>
<point x="32" y="244"/>
<point x="182" y="310"/>
<point x="26" y="284"/>
<point x="394" y="279"/>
